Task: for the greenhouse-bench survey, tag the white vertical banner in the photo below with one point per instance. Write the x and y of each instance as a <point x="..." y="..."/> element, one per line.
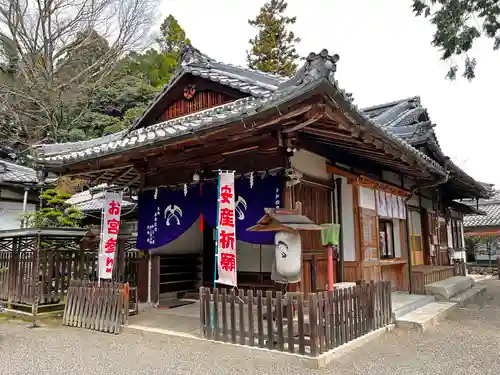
<point x="390" y="208"/>
<point x="110" y="224"/>
<point x="402" y="208"/>
<point x="381" y="203"/>
<point x="226" y="230"/>
<point x="395" y="206"/>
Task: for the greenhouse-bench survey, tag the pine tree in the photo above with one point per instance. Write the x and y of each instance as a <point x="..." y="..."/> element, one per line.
<point x="273" y="48"/>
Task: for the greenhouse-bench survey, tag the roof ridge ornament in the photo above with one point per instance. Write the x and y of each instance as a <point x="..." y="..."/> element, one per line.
<point x="192" y="55"/>
<point x="317" y="66"/>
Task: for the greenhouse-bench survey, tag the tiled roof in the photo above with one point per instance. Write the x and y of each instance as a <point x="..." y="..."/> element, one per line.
<point x="492" y="209"/>
<point x="409" y="120"/>
<point x="16" y="174"/>
<point x="93" y="199"/>
<point x="57" y="148"/>
<point x="266" y="91"/>
<point x="405" y="118"/>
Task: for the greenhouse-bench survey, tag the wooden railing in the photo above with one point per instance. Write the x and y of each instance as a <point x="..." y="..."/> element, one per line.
<point x="423" y="275"/>
<point x="37" y="265"/>
<point x="289" y="322"/>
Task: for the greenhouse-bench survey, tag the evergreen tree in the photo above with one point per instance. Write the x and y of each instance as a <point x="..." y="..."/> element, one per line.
<point x="158" y="66"/>
<point x="55" y="213"/>
<point x="458" y="23"/>
<point x="273" y="48"/>
<point x="172" y="37"/>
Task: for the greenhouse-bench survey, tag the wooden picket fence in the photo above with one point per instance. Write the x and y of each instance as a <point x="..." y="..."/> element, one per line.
<point x="289" y="322"/>
<point x="103" y="307"/>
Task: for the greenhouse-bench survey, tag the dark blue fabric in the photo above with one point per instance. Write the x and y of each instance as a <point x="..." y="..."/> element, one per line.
<point x="265" y="193"/>
<point x="164" y="219"/>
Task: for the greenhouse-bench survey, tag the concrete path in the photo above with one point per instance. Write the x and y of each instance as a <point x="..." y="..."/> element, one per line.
<point x="467" y="342"/>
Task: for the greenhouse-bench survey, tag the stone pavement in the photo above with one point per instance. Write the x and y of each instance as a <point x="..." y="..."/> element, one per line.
<point x="468" y="342"/>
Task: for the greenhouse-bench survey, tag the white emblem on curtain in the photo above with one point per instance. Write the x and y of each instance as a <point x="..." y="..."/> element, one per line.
<point x="173" y="212"/>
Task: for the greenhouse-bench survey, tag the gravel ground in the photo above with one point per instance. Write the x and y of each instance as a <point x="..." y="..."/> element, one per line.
<point x="468" y="342"/>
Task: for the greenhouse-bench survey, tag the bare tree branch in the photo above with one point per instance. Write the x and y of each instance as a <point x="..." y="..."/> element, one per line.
<point x="64" y="50"/>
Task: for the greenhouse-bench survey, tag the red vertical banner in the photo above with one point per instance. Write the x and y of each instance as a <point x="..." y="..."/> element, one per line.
<point x="110" y="227"/>
<point x="226" y="230"/>
<point x="202" y="224"/>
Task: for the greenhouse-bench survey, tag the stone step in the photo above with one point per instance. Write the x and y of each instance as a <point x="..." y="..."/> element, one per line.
<point x="412" y="306"/>
<point x="426" y="316"/>
<point x="446" y="289"/>
<point x="464" y="297"/>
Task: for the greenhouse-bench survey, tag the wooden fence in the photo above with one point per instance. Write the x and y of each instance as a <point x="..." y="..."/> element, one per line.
<point x="289" y="322"/>
<point x="37" y="265"/>
<point x="103" y="307"/>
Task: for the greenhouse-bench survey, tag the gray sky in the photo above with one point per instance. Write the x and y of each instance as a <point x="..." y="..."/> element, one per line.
<point x="385" y="55"/>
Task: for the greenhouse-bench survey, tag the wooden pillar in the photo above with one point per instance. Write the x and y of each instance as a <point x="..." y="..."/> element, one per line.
<point x="142" y="279"/>
<point x="357" y="232"/>
<point x="338" y="194"/>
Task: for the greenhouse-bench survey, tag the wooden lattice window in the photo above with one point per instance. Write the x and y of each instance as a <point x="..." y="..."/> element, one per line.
<point x="416" y="242"/>
<point x="369" y="235"/>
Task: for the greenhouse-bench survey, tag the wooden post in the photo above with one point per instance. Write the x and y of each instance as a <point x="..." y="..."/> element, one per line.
<point x="330" y="268"/>
<point x="35" y="281"/>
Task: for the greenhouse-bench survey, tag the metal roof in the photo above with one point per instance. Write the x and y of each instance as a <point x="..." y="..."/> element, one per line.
<point x="267" y="91"/>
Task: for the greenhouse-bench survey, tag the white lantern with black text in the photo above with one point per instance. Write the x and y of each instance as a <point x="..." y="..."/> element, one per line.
<point x="288" y="247"/>
<point x="288" y="254"/>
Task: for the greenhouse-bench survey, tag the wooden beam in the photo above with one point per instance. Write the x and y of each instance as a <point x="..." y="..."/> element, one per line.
<point x="361" y="180"/>
<point x="303" y="124"/>
<point x="290" y="114"/>
<point x="213" y="149"/>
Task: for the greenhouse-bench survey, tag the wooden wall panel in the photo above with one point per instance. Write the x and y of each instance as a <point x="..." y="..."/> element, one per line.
<point x="142" y="279"/>
<point x="395" y="273"/>
<point x="201" y="100"/>
<point x="316" y="205"/>
<point x="371" y="271"/>
<point x="155" y="279"/>
<point x="314" y="272"/>
<point x="351" y="271"/>
<point x="369" y="235"/>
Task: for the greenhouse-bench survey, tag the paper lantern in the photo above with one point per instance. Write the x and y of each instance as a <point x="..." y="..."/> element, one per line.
<point x="288" y="254"/>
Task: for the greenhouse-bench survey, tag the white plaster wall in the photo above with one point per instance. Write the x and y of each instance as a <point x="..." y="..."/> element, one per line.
<point x="397" y="239"/>
<point x="310" y="164"/>
<point x="413" y="201"/>
<point x="449" y="233"/>
<point x="10" y="214"/>
<point x="408" y="182"/>
<point x="426" y="203"/>
<point x="11" y="194"/>
<point x="391" y="177"/>
<point x="348" y="221"/>
<point x="190" y="242"/>
<point x="462" y="233"/>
